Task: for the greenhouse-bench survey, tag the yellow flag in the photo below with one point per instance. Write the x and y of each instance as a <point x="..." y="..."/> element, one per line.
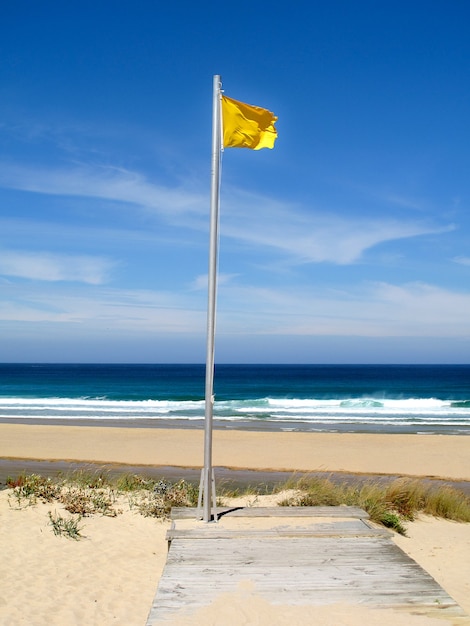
<point x="247" y="126"/>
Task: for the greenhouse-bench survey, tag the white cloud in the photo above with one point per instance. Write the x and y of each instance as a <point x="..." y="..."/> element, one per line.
<point x="312" y="236"/>
<point x="201" y="281"/>
<point x="369" y="310"/>
<point x="462" y="260"/>
<point x="124" y="312"/>
<point x="106" y="182"/>
<point x="300" y="234"/>
<point x="55" y="267"/>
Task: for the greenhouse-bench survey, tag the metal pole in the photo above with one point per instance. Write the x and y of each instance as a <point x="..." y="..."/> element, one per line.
<point x="211" y="302"/>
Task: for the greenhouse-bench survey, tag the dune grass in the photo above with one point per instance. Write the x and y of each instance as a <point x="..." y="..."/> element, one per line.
<point x="65" y="527"/>
<point x="83" y="494"/>
<point x="391" y="504"/>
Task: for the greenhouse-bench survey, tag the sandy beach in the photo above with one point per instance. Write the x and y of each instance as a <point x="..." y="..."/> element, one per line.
<point x="110" y="576"/>
<point x="443" y="456"/>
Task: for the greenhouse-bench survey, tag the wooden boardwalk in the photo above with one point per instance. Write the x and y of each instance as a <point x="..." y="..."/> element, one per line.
<point x="307" y="556"/>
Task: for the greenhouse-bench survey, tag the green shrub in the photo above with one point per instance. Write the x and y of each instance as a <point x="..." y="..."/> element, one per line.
<point x="27" y="489"/>
<point x="65" y="527"/>
<point x="88" y="501"/>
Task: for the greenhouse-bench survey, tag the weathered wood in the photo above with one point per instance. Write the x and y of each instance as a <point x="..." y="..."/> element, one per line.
<point x="276" y="511"/>
<point x="355" y="528"/>
<point x="326" y="563"/>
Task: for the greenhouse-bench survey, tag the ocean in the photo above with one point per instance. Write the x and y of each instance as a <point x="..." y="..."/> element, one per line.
<point x="433" y="399"/>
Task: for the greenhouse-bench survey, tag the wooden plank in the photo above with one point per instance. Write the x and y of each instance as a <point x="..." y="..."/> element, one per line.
<point x="368" y="576"/>
<point x="277" y="511"/>
<point x="315" y="552"/>
<point x="354" y="528"/>
<point x="294" y="566"/>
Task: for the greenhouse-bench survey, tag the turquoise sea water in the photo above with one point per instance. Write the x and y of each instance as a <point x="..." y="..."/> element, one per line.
<point x="346" y="398"/>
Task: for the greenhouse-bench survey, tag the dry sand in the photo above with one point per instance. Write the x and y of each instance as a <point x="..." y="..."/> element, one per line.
<point x="444" y="456"/>
<point x="110" y="576"/>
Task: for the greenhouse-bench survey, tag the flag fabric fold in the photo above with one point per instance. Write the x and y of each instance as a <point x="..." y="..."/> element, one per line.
<point x="247" y="126"/>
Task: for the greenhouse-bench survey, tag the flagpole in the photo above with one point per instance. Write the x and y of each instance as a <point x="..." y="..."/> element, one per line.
<point x="207" y="477"/>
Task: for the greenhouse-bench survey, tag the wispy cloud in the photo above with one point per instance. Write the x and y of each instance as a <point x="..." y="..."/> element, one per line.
<point x="313" y="236"/>
<point x="201" y="281"/>
<point x="139" y="311"/>
<point x="105" y="182"/>
<point x="300" y="233"/>
<point x="55" y="267"/>
<point x="368" y="310"/>
<point x="387" y="196"/>
<point x="462" y="260"/>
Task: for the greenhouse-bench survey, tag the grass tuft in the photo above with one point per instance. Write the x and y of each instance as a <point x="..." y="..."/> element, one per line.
<point x="93" y="493"/>
<point x="133" y="482"/>
<point x="27" y="489"/>
<point x="163" y="497"/>
<point x="62" y="527"/>
<point x="388" y="504"/>
<point x="87" y="479"/>
<point x="392" y="521"/>
<point x="391" y="504"/>
<point x="88" y="501"/>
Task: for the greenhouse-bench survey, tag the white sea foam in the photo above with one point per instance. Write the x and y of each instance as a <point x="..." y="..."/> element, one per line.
<point x="364" y="412"/>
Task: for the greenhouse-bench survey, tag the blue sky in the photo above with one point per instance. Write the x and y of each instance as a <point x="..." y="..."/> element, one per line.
<point x="347" y="243"/>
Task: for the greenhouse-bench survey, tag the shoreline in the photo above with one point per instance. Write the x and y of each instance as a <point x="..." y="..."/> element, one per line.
<point x="278" y="426"/>
<point x="423" y="456"/>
